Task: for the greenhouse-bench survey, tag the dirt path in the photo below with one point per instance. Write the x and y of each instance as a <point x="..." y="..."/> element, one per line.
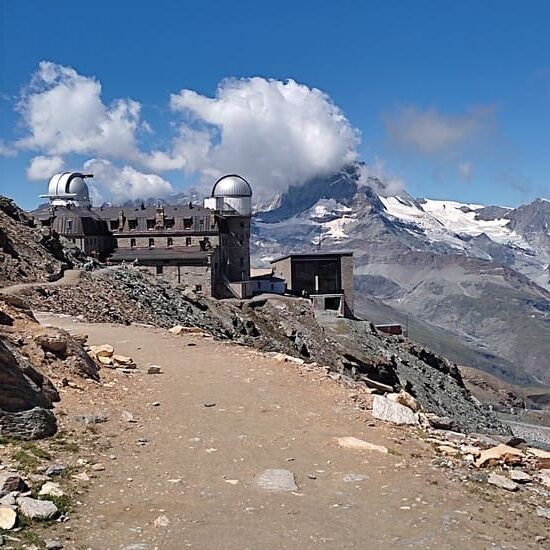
<point x="70" y="277"/>
<point x="201" y="464"/>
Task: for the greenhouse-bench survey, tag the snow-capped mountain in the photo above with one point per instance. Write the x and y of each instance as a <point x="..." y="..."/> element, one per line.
<point x="473" y="278"/>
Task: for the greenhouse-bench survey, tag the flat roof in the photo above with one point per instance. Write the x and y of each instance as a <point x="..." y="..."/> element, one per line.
<point x="312" y="255"/>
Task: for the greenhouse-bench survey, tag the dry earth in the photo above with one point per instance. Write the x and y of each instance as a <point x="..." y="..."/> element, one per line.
<point x="194" y="482"/>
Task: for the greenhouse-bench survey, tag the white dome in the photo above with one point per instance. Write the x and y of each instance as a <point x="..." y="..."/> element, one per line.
<point x="68" y="187"/>
<point x="232" y="186"/>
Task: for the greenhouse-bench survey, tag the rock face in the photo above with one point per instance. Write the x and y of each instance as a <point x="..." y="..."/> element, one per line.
<point x="28" y="352"/>
<point x="391" y="411"/>
<point x="29" y="254"/>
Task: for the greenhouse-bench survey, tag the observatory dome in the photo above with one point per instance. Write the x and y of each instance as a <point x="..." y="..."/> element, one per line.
<point x="232" y="186"/>
<point x="68" y="187"/>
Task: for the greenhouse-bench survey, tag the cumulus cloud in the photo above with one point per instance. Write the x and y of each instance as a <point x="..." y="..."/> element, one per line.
<point x="41" y="168"/>
<point x="272" y="132"/>
<point x="119" y="184"/>
<point x="432" y="132"/>
<point x="63" y="112"/>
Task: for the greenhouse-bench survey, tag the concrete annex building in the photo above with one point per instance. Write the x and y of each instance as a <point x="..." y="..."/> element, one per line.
<point x="205" y="247"/>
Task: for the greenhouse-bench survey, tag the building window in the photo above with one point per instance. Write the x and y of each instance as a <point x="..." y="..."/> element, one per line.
<point x="114" y="225"/>
<point x="150" y="224"/>
<point x="198" y="288"/>
<point x="68" y="226"/>
<point x="132" y="224"/>
<point x="132" y="243"/>
<point x="169" y="223"/>
<point x="169" y="241"/>
<point x="159" y="269"/>
<point x="151" y="242"/>
<point x="187" y="223"/>
<point x="188" y="241"/>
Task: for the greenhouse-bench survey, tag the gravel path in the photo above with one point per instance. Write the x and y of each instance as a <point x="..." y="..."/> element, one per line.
<point x="190" y="472"/>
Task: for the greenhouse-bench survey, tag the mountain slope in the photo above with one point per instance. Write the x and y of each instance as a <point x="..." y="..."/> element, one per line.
<point x="474" y="278"/>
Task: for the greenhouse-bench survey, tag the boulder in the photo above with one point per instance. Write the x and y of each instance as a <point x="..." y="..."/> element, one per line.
<point x="35" y="423"/>
<point x="33" y="508"/>
<point x="520" y="477"/>
<point x="391" y="411"/>
<point x="123" y="360"/>
<point x="53" y="341"/>
<point x="105" y="350"/>
<point x="498" y="454"/>
<point x="8" y="517"/>
<point x="502" y="482"/>
<point x="406" y="399"/>
<point x="104" y="360"/>
<point x="11" y="482"/>
<point x="154" y="369"/>
<point x="51" y="489"/>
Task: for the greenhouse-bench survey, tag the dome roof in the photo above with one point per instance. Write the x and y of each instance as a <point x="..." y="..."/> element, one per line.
<point x="232" y="186"/>
<point x="69" y="185"/>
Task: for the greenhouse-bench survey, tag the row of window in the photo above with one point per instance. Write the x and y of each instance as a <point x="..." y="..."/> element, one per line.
<point x="169" y="241"/>
<point x="151" y="224"/>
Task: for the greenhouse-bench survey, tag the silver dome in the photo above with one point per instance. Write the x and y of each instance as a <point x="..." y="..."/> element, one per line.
<point x="232" y="186"/>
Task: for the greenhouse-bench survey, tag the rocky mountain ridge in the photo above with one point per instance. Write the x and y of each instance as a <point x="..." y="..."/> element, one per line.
<point x="471" y="281"/>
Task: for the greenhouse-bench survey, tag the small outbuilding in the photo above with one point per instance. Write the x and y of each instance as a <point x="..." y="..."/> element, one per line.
<point x="325" y="277"/>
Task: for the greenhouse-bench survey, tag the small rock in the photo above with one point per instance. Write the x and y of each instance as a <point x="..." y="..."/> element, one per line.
<point x="8" y="517"/>
<point x="33" y="508"/>
<point x="277" y="480"/>
<point x="81" y="477"/>
<point x="53" y="544"/>
<point x="520" y="477"/>
<point x="98" y="467"/>
<point x="155" y="404"/>
<point x="502" y="482"/>
<point x="128" y="416"/>
<point x="543" y="512"/>
<point x="354" y="443"/>
<point x="540" y="538"/>
<point x="51" y="489"/>
<point x="312" y="476"/>
<point x="210" y="404"/>
<point x="142" y="441"/>
<point x="154" y="369"/>
<point x="352" y="478"/>
<point x="9" y="500"/>
<point x="91" y="418"/>
<point x="161" y="521"/>
<point x="11" y="482"/>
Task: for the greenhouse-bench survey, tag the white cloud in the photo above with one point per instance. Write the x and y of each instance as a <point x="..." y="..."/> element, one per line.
<point x="120" y="184"/>
<point x="273" y="133"/>
<point x="42" y="168"/>
<point x="431" y="132"/>
<point x="64" y="113"/>
<point x="375" y="175"/>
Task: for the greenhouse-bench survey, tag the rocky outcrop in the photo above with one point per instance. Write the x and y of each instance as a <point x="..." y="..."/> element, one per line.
<point x="31" y="356"/>
<point x="28" y="253"/>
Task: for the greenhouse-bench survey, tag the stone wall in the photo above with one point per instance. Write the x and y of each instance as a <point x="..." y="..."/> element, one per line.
<point x="197" y="278"/>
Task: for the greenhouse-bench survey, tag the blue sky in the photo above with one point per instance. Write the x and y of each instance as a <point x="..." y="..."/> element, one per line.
<point x="448" y="99"/>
